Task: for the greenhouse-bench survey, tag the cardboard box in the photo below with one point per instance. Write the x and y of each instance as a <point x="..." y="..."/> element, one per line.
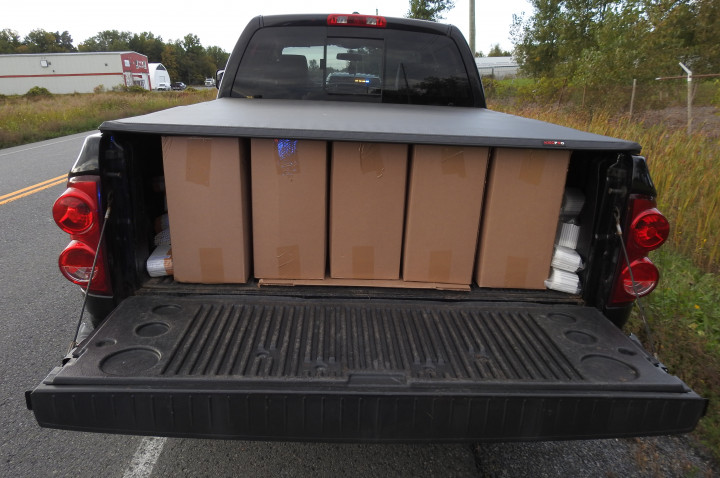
<point x="289" y="204"/>
<point x="208" y="208"/>
<point x="520" y="217"/>
<point x="443" y="213"/>
<point x="367" y="207"/>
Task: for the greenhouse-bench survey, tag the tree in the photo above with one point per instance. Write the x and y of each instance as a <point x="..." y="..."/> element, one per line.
<point x="218" y="56"/>
<point x="147" y="44"/>
<point x="107" y="40"/>
<point x="432" y="10"/>
<point x="41" y="41"/>
<point x="497" y="51"/>
<point x="590" y="41"/>
<point x="64" y="41"/>
<point x="170" y="59"/>
<point x="9" y="41"/>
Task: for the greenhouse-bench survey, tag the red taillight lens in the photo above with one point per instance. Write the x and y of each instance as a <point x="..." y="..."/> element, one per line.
<point x="73" y="211"/>
<point x="645" y="276"/>
<point x="77" y="212"/>
<point x="76" y="264"/>
<point x="356" y="20"/>
<point x="646" y="229"/>
<point x="650" y="229"/>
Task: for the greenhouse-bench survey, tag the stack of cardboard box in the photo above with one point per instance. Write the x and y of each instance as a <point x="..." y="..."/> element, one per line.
<point x="349" y="213"/>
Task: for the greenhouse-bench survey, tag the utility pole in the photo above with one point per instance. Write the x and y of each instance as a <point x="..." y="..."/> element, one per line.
<point x="472" y="26"/>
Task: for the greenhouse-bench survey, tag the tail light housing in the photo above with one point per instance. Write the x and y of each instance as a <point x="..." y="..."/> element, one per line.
<point x="77" y="212"/>
<point x="646" y="229"/>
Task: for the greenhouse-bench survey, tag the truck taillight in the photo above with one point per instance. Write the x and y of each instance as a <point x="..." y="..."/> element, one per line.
<point x="356" y="20"/>
<point x="73" y="211"/>
<point x="644" y="278"/>
<point x="77" y="212"/>
<point x="648" y="229"/>
<point x="76" y="263"/>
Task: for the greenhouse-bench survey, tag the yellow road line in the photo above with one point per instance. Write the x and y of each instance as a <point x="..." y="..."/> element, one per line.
<point x="21" y="193"/>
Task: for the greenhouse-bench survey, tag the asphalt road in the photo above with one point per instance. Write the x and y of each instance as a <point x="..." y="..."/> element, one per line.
<point x="38" y="314"/>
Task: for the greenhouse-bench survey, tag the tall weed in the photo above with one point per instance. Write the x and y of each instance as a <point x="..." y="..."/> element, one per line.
<point x="26" y="119"/>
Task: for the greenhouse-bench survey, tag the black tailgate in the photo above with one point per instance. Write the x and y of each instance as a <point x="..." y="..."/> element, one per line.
<point x="362" y="369"/>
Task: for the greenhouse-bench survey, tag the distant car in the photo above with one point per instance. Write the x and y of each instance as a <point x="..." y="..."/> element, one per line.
<point x="178" y="85"/>
<point x="209" y="82"/>
<point x="163" y="87"/>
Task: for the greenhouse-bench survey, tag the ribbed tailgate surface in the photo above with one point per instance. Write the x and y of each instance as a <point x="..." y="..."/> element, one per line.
<point x="346" y="343"/>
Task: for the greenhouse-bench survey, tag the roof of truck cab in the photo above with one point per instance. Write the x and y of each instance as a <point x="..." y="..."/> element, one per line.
<point x="348" y="121"/>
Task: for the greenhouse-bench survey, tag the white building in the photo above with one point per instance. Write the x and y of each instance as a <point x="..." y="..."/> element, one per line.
<point x="72" y="72"/>
<point x="498" y="67"/>
<point x="159" y="76"/>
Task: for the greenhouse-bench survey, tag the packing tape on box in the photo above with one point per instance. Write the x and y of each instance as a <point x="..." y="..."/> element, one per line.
<point x="198" y="161"/>
<point x="287" y="159"/>
<point x="440" y="266"/>
<point x="532" y="167"/>
<point x="371" y="160"/>
<point x="288" y="261"/>
<point x="363" y="262"/>
<point x="160" y="262"/>
<point x="212" y="267"/>
<point x="453" y="161"/>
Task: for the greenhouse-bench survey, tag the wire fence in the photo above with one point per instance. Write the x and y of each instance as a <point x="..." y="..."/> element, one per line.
<point x="655" y="101"/>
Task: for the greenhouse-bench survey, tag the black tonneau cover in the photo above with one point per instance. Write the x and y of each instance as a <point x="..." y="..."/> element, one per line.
<point x="362" y="369"/>
<point x="348" y="121"/>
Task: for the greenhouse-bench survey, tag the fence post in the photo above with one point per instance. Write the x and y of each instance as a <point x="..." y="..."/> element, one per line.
<point x="632" y="97"/>
<point x="689" y="98"/>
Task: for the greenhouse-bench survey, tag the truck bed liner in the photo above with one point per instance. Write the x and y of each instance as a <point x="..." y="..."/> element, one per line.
<point x="361" y="369"/>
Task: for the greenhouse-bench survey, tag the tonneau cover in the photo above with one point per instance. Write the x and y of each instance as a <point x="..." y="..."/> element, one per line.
<point x="348" y="121"/>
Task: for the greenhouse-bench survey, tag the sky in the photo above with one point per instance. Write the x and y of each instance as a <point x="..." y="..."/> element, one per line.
<point x="220" y="22"/>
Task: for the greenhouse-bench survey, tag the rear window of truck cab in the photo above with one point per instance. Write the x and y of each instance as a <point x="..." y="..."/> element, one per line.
<point x="325" y="63"/>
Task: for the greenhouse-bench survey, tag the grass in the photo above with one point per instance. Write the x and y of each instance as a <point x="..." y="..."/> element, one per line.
<point x="25" y="119"/>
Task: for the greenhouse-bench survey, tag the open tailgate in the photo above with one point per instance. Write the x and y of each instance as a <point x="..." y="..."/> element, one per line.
<point x="361" y="369"/>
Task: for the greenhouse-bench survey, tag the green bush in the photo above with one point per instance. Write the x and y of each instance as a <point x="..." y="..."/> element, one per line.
<point x="38" y="92"/>
<point x="130" y="89"/>
<point x="137" y="89"/>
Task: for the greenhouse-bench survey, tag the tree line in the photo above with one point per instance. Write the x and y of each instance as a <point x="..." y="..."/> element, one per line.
<point x="594" y="42"/>
<point x="186" y="60"/>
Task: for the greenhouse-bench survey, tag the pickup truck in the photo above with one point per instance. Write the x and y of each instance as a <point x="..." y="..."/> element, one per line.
<point x="348" y="245"/>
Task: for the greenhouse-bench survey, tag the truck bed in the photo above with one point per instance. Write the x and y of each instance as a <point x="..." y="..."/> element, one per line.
<point x="328" y="368"/>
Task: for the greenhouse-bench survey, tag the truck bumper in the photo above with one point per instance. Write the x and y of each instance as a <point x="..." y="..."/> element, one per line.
<point x="361" y="370"/>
